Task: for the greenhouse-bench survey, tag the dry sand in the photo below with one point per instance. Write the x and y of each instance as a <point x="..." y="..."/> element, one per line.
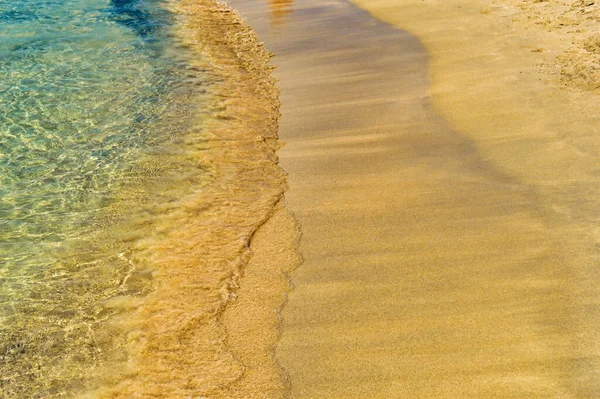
<point x="448" y="209"/>
<point x="520" y="79"/>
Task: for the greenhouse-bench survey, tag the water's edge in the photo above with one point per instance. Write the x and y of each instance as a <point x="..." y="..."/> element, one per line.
<point x="186" y="338"/>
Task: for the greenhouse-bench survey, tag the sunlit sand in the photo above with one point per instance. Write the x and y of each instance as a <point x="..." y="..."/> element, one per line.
<point x="438" y="260"/>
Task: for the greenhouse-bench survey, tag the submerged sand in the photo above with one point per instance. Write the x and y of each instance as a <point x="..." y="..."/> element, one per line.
<point x="447" y="203"/>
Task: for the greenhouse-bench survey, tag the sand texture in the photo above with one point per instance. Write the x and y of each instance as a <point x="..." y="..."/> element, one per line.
<point x="446" y="187"/>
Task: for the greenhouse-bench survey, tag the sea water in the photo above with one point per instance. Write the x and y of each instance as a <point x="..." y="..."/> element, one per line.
<point x="92" y="100"/>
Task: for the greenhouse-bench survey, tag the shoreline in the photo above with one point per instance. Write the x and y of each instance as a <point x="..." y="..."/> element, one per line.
<point x="179" y="340"/>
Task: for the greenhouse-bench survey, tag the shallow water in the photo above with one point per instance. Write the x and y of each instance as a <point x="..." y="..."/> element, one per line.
<point x="93" y="99"/>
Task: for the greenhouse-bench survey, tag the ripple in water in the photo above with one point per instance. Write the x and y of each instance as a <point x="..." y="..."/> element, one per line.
<point x="90" y="105"/>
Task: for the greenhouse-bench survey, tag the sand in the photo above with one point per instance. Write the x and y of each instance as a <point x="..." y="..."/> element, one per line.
<point x="446" y="189"/>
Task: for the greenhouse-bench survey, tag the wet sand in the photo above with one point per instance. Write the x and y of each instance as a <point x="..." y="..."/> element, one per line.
<point x="446" y="211"/>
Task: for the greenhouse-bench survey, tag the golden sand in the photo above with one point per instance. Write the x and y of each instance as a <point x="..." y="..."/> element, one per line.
<point x="449" y="229"/>
<point x="519" y="79"/>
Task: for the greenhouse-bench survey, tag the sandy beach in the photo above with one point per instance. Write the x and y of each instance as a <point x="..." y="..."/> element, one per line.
<point x="299" y="199"/>
<point x="442" y="167"/>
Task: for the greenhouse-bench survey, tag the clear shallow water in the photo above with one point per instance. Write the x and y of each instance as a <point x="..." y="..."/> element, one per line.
<point x="90" y="105"/>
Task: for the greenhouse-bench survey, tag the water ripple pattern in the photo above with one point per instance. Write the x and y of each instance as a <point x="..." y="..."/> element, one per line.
<point x="87" y="91"/>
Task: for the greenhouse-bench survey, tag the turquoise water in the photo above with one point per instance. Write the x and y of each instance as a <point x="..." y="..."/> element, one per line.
<point x="91" y="96"/>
